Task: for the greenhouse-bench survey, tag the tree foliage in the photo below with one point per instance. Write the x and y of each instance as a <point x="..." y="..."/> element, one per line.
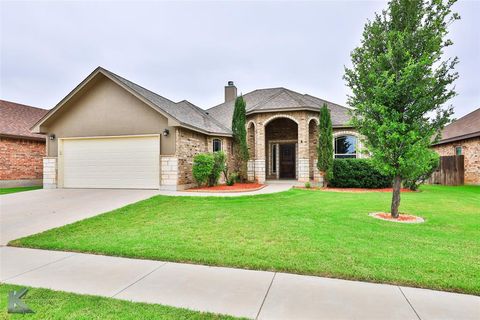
<point x="325" y="144"/>
<point x="400" y="84"/>
<point x="240" y="137"/>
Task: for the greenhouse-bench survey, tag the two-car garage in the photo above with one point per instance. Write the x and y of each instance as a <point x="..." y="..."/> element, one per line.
<point x="110" y="162"/>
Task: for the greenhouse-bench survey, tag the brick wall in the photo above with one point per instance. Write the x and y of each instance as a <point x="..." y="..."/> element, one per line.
<point x="21" y="159"/>
<point x="471" y="152"/>
<point x="188" y="144"/>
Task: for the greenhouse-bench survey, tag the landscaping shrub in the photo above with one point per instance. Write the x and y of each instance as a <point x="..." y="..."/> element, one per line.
<point x="207" y="167"/>
<point x="203" y="164"/>
<point x="232" y="178"/>
<point x="308" y="185"/>
<point x="219" y="159"/>
<point x="358" y="173"/>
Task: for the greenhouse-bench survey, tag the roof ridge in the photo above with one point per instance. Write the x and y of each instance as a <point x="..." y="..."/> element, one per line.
<point x="23" y="105"/>
<point x="204" y="113"/>
<point x="268" y="99"/>
<point x="291" y="94"/>
<point x="125" y="79"/>
<point x="326" y="101"/>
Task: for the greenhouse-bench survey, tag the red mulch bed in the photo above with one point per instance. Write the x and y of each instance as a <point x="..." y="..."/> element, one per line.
<point x="406" y="218"/>
<point x="355" y="189"/>
<point x="237" y="187"/>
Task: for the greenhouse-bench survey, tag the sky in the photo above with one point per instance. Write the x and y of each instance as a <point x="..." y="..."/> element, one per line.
<point x="189" y="50"/>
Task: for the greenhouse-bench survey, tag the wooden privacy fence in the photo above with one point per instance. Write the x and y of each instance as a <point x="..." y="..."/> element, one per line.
<point x="450" y="171"/>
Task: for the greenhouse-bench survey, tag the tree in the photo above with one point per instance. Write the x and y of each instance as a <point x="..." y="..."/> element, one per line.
<point x="400" y="83"/>
<point x="325" y="145"/>
<point x="240" y="137"/>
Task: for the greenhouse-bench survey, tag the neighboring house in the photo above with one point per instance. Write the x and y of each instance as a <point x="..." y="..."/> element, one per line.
<point x="21" y="151"/>
<point x="112" y="133"/>
<point x="462" y="137"/>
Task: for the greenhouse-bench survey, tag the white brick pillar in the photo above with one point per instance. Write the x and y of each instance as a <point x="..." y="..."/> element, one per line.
<point x="168" y="173"/>
<point x="50" y="172"/>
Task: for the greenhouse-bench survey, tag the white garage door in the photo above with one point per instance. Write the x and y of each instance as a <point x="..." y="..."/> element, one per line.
<point x="126" y="162"/>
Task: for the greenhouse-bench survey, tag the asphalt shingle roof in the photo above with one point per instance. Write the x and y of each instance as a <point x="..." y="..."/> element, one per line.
<point x="16" y="120"/>
<point x="467" y="126"/>
<point x="279" y="99"/>
<point x="184" y="111"/>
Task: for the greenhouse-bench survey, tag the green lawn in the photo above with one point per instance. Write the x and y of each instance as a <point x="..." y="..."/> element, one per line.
<point x="49" y="304"/>
<point x="18" y="189"/>
<point x="299" y="231"/>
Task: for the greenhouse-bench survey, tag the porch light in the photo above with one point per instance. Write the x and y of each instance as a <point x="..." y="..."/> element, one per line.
<point x="52" y="136"/>
<point x="166" y="132"/>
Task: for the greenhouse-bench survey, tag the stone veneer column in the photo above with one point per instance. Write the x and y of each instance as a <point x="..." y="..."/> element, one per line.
<point x="251" y="170"/>
<point x="259" y="166"/>
<point x="303" y="154"/>
<point x="168" y="173"/>
<point x="49" y="172"/>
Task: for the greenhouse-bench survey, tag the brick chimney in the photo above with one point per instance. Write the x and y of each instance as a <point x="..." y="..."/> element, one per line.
<point x="230" y="92"/>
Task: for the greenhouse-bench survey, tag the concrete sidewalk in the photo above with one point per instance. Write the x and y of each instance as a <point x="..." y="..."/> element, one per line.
<point x="237" y="292"/>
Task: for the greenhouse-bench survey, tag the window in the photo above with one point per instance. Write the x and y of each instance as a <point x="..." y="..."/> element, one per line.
<point x="346" y="147"/>
<point x="274" y="158"/>
<point x="458" y="151"/>
<point x="217" y="145"/>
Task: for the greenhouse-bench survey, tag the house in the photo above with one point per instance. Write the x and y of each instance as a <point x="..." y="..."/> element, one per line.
<point x="21" y="151"/>
<point x="112" y="133"/>
<point x="462" y="137"/>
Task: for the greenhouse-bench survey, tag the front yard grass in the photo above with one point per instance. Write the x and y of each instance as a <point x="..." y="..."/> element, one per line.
<point x="49" y="304"/>
<point x="300" y="231"/>
<point x="17" y="189"/>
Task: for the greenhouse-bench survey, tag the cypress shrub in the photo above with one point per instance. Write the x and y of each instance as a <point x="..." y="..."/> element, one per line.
<point x="358" y="173"/>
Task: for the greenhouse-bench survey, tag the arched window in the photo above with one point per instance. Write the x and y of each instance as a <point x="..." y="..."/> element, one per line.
<point x="346" y="146"/>
<point x="217" y="145"/>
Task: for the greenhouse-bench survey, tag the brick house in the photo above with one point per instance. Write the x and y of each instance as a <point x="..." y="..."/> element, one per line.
<point x="112" y="133"/>
<point x="462" y="137"/>
<point x="21" y="151"/>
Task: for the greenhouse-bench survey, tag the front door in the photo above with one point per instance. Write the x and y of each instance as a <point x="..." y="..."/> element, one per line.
<point x="287" y="161"/>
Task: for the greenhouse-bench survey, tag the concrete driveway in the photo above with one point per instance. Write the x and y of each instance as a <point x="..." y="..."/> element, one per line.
<point x="30" y="212"/>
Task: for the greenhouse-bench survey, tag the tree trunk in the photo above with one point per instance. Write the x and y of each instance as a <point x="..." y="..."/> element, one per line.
<point x="397" y="183"/>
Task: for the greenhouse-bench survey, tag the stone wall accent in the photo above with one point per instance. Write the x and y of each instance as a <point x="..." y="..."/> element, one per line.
<point x="168" y="172"/>
<point x="21" y="161"/>
<point x="251" y="170"/>
<point x="188" y="144"/>
<point x="260" y="170"/>
<point x="303" y="170"/>
<point x="50" y="173"/>
<point x="471" y="152"/>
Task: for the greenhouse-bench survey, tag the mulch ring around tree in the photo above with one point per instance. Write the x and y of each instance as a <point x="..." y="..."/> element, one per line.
<point x="402" y="218"/>
<point x="237" y="187"/>
<point x="353" y="189"/>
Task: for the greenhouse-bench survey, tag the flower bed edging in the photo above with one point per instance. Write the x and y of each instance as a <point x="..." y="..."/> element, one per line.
<point x="403" y="218"/>
<point x="213" y="190"/>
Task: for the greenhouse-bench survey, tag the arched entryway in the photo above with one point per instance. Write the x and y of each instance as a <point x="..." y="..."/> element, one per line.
<point x="281" y="148"/>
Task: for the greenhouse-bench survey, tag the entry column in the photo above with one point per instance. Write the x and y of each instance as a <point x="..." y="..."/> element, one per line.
<point x="260" y="153"/>
<point x="303" y="152"/>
